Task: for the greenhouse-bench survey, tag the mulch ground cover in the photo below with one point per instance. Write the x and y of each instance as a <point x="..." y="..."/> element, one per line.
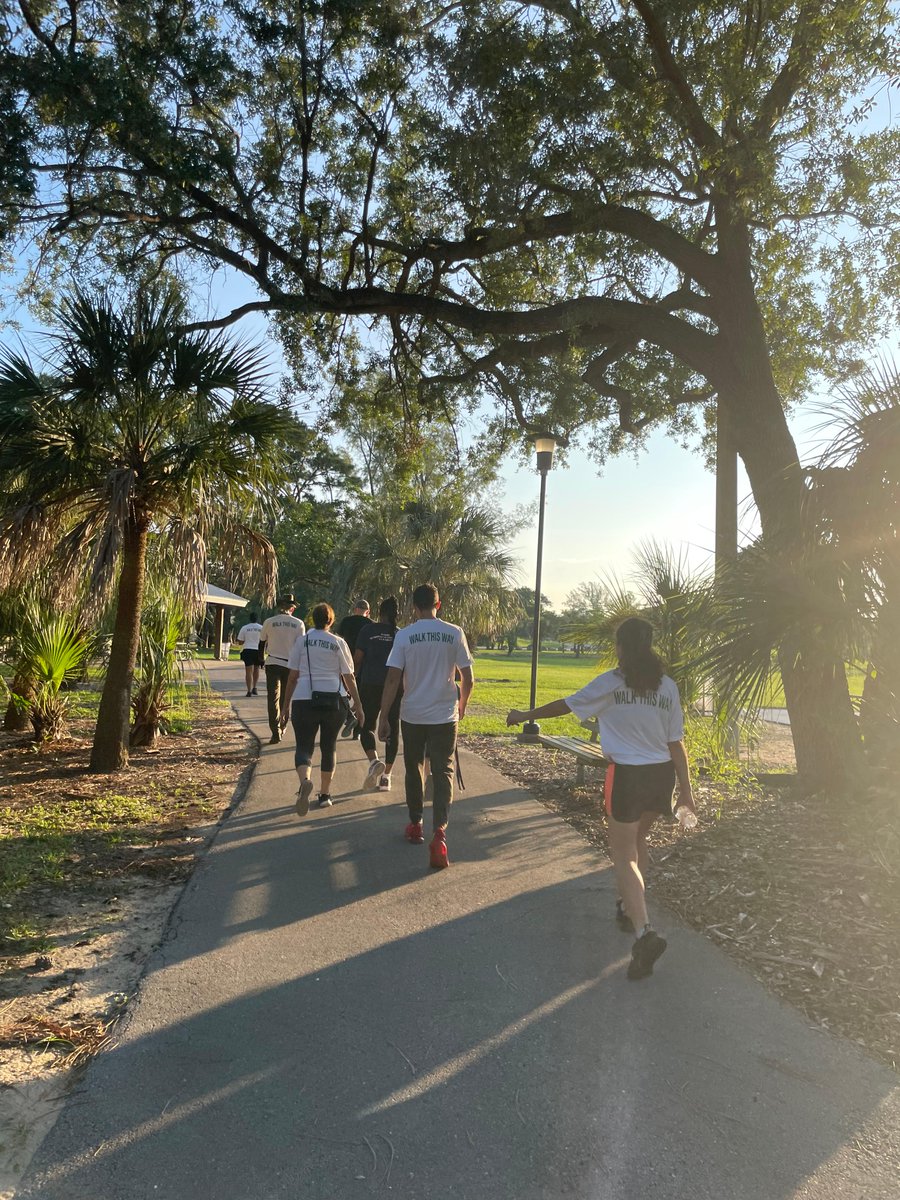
<point x="804" y="891"/>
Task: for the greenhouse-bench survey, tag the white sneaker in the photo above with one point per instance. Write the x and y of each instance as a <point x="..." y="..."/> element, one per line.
<point x="384" y="783"/>
<point x="374" y="774"/>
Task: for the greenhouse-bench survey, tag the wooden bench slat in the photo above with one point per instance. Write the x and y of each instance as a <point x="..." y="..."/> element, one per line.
<point x="576" y="746"/>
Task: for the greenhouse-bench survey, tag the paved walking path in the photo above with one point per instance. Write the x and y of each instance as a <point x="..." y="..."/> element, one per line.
<point x="327" y="1019"/>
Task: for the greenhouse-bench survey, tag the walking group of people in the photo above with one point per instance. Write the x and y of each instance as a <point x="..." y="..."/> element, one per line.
<point x="417" y="680"/>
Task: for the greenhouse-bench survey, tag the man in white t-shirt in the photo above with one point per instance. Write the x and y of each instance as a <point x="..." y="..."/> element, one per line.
<point x="248" y="640"/>
<point x="279" y="633"/>
<point x="426" y="658"/>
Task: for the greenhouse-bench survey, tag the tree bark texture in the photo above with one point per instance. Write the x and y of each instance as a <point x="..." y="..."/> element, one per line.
<point x="826" y="736"/>
<point x="110" y="749"/>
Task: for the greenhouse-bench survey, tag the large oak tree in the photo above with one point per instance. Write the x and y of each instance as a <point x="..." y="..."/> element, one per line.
<point x="598" y="215"/>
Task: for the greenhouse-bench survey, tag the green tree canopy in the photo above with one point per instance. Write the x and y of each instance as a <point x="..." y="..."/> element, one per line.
<point x="593" y="215"/>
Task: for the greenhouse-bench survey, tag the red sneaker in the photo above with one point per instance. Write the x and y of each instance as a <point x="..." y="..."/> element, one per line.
<point x="414" y="832"/>
<point x="438" y="850"/>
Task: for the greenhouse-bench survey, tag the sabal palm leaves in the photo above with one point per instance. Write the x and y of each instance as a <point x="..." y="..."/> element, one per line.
<point x="460" y="546"/>
<point x="131" y="425"/>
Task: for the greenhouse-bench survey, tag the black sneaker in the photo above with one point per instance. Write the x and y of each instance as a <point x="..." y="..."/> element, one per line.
<point x="623" y="920"/>
<point x="644" y="953"/>
<point x="254" y="692"/>
<point x="349" y="726"/>
<point x="324" y="801"/>
<point x="274" y="739"/>
<point x="301" y="806"/>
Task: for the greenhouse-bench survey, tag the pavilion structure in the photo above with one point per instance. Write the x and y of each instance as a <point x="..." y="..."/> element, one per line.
<point x="220" y="600"/>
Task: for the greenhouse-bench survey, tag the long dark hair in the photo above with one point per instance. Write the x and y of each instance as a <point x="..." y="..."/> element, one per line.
<point x="642" y="667"/>
<point x="387" y="611"/>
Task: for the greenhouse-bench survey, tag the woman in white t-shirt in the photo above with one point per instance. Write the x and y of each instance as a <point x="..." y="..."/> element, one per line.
<point x="641" y="724"/>
<point x="318" y="663"/>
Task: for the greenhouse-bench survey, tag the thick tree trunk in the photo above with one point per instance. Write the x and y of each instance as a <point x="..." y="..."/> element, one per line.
<point x="110" y="749"/>
<point x="826" y="735"/>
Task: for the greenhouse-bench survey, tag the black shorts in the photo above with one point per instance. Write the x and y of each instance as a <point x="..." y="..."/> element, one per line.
<point x="252" y="658"/>
<point x="629" y="791"/>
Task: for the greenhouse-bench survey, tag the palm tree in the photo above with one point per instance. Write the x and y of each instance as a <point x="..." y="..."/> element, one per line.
<point x="393" y="546"/>
<point x="132" y="425"/>
<point x="677" y="601"/>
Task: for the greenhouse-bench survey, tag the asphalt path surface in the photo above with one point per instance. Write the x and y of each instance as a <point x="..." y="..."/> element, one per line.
<point x="329" y="1019"/>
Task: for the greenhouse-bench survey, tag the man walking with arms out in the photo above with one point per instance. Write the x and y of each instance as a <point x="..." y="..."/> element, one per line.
<point x="424" y="659"/>
<point x="279" y="632"/>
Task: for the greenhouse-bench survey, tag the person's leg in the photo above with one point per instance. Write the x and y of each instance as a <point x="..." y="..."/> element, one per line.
<point x="248" y="674"/>
<point x="370" y="698"/>
<point x="441" y="745"/>
<point x="643" y="851"/>
<point x="414" y="737"/>
<point x="305" y="727"/>
<point x="623" y="849"/>
<point x="329" y="728"/>
<point x="273" y="698"/>
<point x="256" y="675"/>
<point x="392" y="745"/>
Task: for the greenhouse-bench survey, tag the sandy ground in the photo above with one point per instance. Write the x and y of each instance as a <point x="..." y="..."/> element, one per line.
<point x="60" y="1005"/>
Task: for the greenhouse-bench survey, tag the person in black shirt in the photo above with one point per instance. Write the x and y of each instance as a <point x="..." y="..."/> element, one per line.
<point x="350" y="629"/>
<point x="373" y="646"/>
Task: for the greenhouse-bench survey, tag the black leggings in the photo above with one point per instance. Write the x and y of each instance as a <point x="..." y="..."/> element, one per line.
<point x="307" y="722"/>
<point x="370" y="698"/>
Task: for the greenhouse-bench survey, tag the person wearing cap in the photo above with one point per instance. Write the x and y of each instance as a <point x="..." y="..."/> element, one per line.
<point x="350" y="629"/>
<point x="279" y="633"/>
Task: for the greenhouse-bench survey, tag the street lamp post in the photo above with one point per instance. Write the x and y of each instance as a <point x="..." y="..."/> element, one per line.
<point x="544" y="447"/>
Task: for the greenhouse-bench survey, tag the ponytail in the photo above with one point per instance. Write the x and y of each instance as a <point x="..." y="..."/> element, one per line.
<point x="388" y="610"/>
<point x="639" y="664"/>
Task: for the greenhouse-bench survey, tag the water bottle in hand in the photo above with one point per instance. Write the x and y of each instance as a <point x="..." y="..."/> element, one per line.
<point x="686" y="817"/>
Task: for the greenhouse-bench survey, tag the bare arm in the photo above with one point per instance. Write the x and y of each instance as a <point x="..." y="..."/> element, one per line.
<point x="466" y="683"/>
<point x="286" y="695"/>
<point x="556" y="708"/>
<point x="350" y="685"/>
<point x="683" y="774"/>
<point x="358" y="657"/>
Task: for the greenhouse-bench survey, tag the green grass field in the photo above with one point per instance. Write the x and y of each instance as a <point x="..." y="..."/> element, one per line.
<point x="503" y="682"/>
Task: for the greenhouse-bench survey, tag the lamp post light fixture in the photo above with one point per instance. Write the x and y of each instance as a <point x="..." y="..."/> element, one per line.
<point x="544" y="446"/>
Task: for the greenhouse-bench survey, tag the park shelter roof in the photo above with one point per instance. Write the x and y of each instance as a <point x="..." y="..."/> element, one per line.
<point x="216" y="595"/>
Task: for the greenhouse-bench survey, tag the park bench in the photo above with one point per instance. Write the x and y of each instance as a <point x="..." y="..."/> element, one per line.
<point x="586" y="754"/>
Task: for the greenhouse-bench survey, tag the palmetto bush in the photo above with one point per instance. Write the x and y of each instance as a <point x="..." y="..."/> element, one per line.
<point x="158" y="669"/>
<point x="54" y="651"/>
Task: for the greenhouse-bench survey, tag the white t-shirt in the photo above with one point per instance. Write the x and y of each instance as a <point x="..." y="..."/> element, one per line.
<point x="279" y="632"/>
<point x="329" y="657"/>
<point x="428" y="653"/>
<point x="635" y="728"/>
<point x="249" y="635"/>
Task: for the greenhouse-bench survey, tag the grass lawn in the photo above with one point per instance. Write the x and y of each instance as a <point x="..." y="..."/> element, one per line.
<point x="503" y="682"/>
